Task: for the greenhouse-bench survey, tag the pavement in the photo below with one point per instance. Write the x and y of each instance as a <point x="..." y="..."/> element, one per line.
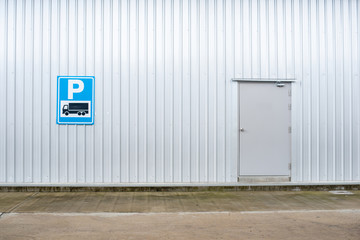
<point x="180" y="215"/>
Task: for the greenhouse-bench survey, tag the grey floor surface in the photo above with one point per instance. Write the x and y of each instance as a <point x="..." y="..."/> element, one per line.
<point x="180" y="215"/>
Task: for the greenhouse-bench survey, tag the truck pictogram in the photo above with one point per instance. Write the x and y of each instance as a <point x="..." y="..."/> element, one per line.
<point x="76" y="108"/>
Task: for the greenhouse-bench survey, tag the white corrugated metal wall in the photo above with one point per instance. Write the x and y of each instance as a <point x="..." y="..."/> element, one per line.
<point x="166" y="108"/>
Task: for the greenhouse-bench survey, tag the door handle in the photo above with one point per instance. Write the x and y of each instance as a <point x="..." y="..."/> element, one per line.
<point x="242" y="130"/>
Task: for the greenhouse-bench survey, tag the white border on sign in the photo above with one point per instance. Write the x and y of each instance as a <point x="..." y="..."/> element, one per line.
<point x="92" y="100"/>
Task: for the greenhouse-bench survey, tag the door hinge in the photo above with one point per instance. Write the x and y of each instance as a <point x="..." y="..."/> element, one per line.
<point x="289" y="129"/>
<point x="290" y="92"/>
<point x="289" y="106"/>
<point x="289" y="166"/>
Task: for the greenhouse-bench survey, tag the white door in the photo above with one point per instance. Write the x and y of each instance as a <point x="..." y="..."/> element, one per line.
<point x="265" y="131"/>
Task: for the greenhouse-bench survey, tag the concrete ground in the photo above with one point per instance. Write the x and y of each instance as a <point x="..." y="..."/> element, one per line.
<point x="180" y="215"/>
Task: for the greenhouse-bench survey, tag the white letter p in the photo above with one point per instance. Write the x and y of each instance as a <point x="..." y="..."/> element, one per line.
<point x="72" y="90"/>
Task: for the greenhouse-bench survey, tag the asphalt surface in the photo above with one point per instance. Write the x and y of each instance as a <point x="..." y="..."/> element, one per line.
<point x="180" y="215"/>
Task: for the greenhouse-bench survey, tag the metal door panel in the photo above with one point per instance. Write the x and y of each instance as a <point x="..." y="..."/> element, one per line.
<point x="265" y="135"/>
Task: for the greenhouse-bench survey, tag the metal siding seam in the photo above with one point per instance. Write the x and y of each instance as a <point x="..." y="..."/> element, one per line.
<point x="115" y="88"/>
<point x="147" y="89"/>
<point x="210" y="129"/>
<point x="137" y="75"/>
<point x="109" y="158"/>
<point x="112" y="32"/>
<point x="107" y="80"/>
<point x="166" y="98"/>
<point x="98" y="121"/>
<point x="311" y="93"/>
<point x="147" y="25"/>
<point x="358" y="108"/>
<point x="318" y="93"/>
<point x="181" y="42"/>
<point x="46" y="95"/>
<point x="151" y="92"/>
<point x="305" y="74"/>
<point x="173" y="90"/>
<point x="106" y="75"/>
<point x="22" y="75"/>
<point x="198" y="122"/>
<point x="325" y="96"/>
<point x="30" y="81"/>
<point x="191" y="125"/>
<point x="216" y="93"/>
<point x="236" y="57"/>
<point x="334" y="91"/>
<point x="142" y="85"/>
<point x="349" y="92"/>
<point x="11" y="91"/>
<point x="3" y="61"/>
<point x="162" y="92"/>
<point x="308" y="96"/>
<point x="198" y="32"/>
<point x="189" y="97"/>
<point x="207" y="90"/>
<point x="342" y="152"/>
<point x="128" y="28"/>
<point x="136" y="177"/>
<point x="120" y="90"/>
<point x="206" y="78"/>
<point x="17" y="145"/>
<point x="216" y="26"/>
<point x="350" y="98"/>
<point x="181" y="37"/>
<point x="336" y="137"/>
<point x="89" y="69"/>
<point x="6" y="21"/>
<point x="102" y="90"/>
<point x="176" y="96"/>
<point x="298" y="162"/>
<point x="330" y="79"/>
<point x="6" y="158"/>
<point x="41" y="157"/>
<point x="124" y="106"/>
<point x="352" y="88"/>
<point x="55" y="63"/>
<point x="234" y="106"/>
<point x="19" y="93"/>
<point x="301" y="98"/>
<point x="227" y="94"/>
<point x="220" y="90"/>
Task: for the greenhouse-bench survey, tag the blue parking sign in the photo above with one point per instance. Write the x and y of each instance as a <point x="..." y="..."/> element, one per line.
<point x="75" y="100"/>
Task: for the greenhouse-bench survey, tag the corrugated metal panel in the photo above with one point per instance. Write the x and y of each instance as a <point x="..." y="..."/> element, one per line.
<point x="166" y="108"/>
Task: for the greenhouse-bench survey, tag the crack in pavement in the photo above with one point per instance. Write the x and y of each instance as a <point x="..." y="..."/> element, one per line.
<point x="20" y="203"/>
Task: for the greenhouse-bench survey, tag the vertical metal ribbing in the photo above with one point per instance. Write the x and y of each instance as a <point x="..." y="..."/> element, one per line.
<point x="172" y="178"/>
<point x="3" y="94"/>
<point x="102" y="89"/>
<point x="181" y="67"/>
<point x="207" y="145"/>
<point x="164" y="104"/>
<point x="358" y="109"/>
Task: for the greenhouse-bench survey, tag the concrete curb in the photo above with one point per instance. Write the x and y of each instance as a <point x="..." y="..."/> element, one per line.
<point x="175" y="188"/>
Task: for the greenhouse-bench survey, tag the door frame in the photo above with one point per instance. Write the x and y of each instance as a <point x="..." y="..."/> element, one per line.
<point x="263" y="80"/>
